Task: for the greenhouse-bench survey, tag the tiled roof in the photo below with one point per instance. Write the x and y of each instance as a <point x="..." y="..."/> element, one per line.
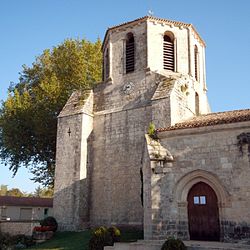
<point x="151" y="18"/>
<point x="212" y="119"/>
<point x="155" y="19"/>
<point x="26" y="201"/>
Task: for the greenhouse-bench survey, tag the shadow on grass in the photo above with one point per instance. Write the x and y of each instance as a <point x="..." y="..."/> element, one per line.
<point x="66" y="241"/>
<point x="80" y="240"/>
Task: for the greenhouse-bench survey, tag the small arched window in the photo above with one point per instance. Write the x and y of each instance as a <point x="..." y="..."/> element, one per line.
<point x="107" y="63"/>
<point x="168" y="51"/>
<point x="196" y="73"/>
<point x="130" y="53"/>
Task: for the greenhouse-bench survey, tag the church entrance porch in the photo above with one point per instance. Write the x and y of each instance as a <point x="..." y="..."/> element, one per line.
<point x="203" y="213"/>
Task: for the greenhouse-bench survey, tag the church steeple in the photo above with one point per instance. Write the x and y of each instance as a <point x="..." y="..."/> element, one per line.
<point x="162" y="45"/>
<point x="171" y="49"/>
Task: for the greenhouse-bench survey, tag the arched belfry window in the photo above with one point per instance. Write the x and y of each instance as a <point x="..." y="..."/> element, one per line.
<point x="130" y="53"/>
<point x="168" y="51"/>
<point x="106" y="63"/>
<point x="196" y="54"/>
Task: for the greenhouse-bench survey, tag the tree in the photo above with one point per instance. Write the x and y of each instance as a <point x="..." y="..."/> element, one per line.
<point x="28" y="117"/>
<point x="38" y="192"/>
<point x="15" y="192"/>
<point x="43" y="192"/>
<point x="3" y="190"/>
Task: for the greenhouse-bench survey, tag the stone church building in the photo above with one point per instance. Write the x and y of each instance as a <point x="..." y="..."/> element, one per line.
<point x="189" y="179"/>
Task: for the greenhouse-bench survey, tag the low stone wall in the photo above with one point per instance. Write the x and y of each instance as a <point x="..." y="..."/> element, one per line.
<point x="191" y="245"/>
<point x="18" y="227"/>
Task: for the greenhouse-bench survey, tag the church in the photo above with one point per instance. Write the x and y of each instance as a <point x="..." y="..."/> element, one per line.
<point x="187" y="178"/>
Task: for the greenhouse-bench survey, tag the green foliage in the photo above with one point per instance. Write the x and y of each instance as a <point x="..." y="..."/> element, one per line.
<point x="152" y="130"/>
<point x="3" y="190"/>
<point x="11" y="192"/>
<point x="103" y="236"/>
<point x="43" y="192"/>
<point x="115" y="233"/>
<point x="15" y="192"/>
<point x="39" y="192"/>
<point x="49" y="221"/>
<point x="28" y="118"/>
<point x="173" y="244"/>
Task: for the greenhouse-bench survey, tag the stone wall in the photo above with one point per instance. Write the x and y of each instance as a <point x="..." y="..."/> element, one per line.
<point x="116" y="44"/>
<point x="208" y="154"/>
<point x="75" y="125"/>
<point x="116" y="154"/>
<point x="185" y="41"/>
<point x="18" y="227"/>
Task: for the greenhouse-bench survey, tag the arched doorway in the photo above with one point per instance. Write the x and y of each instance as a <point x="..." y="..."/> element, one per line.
<point x="203" y="213"/>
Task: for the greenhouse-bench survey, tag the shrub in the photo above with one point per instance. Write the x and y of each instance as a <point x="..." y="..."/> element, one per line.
<point x="18" y="241"/>
<point x="49" y="222"/>
<point x="115" y="233"/>
<point x="173" y="244"/>
<point x="103" y="236"/>
<point x="152" y="131"/>
<point x="22" y="241"/>
<point x="5" y="240"/>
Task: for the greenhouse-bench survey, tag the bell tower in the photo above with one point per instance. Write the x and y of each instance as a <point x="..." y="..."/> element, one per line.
<point x="172" y="50"/>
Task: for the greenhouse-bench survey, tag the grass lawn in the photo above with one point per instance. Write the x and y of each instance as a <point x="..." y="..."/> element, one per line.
<point x="79" y="240"/>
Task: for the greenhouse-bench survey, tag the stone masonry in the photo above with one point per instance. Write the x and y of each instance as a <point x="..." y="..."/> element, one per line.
<point x="108" y="173"/>
<point x="200" y="152"/>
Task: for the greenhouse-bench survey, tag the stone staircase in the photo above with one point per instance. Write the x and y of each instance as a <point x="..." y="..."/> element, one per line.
<point x="192" y="245"/>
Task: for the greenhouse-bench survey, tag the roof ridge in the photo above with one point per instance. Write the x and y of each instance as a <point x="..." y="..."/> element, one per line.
<point x="223" y="112"/>
<point x="210" y="119"/>
<point x="152" y="18"/>
<point x="156" y="19"/>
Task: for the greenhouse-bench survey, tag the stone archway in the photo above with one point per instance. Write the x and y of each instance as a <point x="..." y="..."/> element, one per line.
<point x="184" y="185"/>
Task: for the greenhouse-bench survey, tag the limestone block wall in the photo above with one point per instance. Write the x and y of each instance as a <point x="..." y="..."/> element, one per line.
<point x="67" y="184"/>
<point x="111" y="97"/>
<point x="185" y="40"/>
<point x="18" y="227"/>
<point x="161" y="112"/>
<point x="115" y="148"/>
<point x="116" y="161"/>
<point x="116" y="43"/>
<point x="71" y="193"/>
<point x="209" y="154"/>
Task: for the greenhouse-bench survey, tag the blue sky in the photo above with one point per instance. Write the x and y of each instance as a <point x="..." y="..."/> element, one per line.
<point x="28" y="27"/>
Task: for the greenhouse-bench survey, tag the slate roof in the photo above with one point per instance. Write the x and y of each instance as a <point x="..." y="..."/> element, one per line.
<point x="211" y="119"/>
<point x="26" y="201"/>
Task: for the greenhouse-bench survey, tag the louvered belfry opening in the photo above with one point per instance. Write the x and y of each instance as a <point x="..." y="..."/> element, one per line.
<point x="130" y="53"/>
<point x="168" y="53"/>
<point x="196" y="62"/>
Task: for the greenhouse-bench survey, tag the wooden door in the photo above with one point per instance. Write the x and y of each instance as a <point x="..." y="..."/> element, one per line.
<point x="203" y="213"/>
